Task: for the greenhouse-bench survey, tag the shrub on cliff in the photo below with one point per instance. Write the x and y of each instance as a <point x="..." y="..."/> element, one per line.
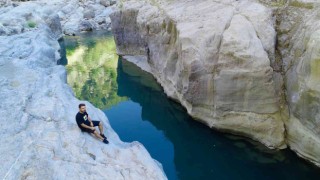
<point x="31" y="24"/>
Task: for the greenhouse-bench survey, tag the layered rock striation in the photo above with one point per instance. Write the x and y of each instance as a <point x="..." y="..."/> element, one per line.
<point x="299" y="39"/>
<point x="245" y="67"/>
<point x="39" y="135"/>
<point x="213" y="57"/>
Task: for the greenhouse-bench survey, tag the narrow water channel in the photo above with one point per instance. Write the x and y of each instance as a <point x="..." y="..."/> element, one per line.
<point x="138" y="110"/>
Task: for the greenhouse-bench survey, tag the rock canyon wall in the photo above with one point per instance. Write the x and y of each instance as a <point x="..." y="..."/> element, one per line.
<point x="245" y="67"/>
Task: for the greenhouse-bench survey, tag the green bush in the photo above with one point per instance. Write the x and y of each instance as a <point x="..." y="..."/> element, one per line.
<point x="31" y="24"/>
<point x="301" y="4"/>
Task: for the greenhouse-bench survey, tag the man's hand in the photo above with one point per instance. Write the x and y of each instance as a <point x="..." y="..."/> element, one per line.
<point x="91" y="124"/>
<point x="88" y="127"/>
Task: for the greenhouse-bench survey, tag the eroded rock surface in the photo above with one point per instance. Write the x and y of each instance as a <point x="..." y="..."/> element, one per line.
<point x="299" y="39"/>
<point x="39" y="135"/>
<point x="212" y="56"/>
<point x="75" y="15"/>
<point x="246" y="67"/>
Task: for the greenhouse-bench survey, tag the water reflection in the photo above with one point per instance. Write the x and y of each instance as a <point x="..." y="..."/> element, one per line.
<point x="92" y="64"/>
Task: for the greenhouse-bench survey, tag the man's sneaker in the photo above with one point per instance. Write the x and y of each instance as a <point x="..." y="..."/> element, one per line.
<point x="105" y="141"/>
<point x="102" y="135"/>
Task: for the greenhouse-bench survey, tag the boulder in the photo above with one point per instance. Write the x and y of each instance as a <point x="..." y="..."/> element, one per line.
<point x="86" y="25"/>
<point x="71" y="28"/>
<point x="88" y="14"/>
<point x="54" y="24"/>
<point x="112" y="2"/>
<point x="105" y="3"/>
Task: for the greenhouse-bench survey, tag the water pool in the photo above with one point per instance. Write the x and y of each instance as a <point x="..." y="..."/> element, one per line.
<point x="138" y="110"/>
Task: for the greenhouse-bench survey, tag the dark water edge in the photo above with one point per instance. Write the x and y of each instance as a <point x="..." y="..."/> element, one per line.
<point x="63" y="53"/>
<point x="194" y="150"/>
<point x="139" y="110"/>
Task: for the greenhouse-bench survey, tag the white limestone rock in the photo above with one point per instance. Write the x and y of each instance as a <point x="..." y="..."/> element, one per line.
<point x="89" y="14"/>
<point x="86" y="25"/>
<point x="214" y="57"/>
<point x="221" y="61"/>
<point x="39" y="135"/>
<point x="105" y="3"/>
<point x="299" y="40"/>
<point x="42" y="140"/>
<point x="72" y="15"/>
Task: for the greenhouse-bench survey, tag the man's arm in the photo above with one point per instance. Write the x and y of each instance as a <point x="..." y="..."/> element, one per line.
<point x="86" y="126"/>
<point x="91" y="124"/>
<point x="89" y="119"/>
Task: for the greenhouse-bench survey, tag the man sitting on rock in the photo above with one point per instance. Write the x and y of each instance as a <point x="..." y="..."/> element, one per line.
<point x="87" y="125"/>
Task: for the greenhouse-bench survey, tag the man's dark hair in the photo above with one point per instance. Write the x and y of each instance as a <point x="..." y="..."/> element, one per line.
<point x="80" y="105"/>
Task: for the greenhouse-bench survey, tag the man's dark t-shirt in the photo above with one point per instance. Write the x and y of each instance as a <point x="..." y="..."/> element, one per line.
<point x="82" y="118"/>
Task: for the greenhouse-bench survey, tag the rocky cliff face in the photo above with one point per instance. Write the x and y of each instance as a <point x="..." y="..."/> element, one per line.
<point x="299" y="38"/>
<point x="213" y="57"/>
<point x="75" y="15"/>
<point x="39" y="135"/>
<point x="227" y="64"/>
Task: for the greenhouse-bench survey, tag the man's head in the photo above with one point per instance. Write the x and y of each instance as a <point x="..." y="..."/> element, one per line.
<point x="82" y="108"/>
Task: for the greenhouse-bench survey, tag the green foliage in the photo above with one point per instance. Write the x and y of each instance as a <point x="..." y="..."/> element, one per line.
<point x="121" y="4"/>
<point x="93" y="74"/>
<point x="71" y="45"/>
<point x="278" y="2"/>
<point x="298" y="4"/>
<point x="70" y="52"/>
<point x="31" y="24"/>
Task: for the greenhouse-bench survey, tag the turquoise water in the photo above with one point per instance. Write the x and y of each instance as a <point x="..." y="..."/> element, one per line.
<point x="138" y="110"/>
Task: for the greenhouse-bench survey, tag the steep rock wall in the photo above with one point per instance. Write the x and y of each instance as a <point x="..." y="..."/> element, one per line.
<point x="246" y="67"/>
<point x="299" y="39"/>
<point x="213" y="57"/>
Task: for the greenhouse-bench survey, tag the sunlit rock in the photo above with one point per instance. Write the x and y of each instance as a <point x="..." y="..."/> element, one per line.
<point x="246" y="67"/>
<point x="213" y="57"/>
<point x="39" y="136"/>
<point x="300" y="38"/>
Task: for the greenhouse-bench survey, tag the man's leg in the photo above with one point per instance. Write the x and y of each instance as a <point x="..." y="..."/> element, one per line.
<point x="94" y="132"/>
<point x="98" y="135"/>
<point x="101" y="127"/>
<point x="100" y="124"/>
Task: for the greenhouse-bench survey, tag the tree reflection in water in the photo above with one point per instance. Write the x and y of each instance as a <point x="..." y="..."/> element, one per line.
<point x="92" y="68"/>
